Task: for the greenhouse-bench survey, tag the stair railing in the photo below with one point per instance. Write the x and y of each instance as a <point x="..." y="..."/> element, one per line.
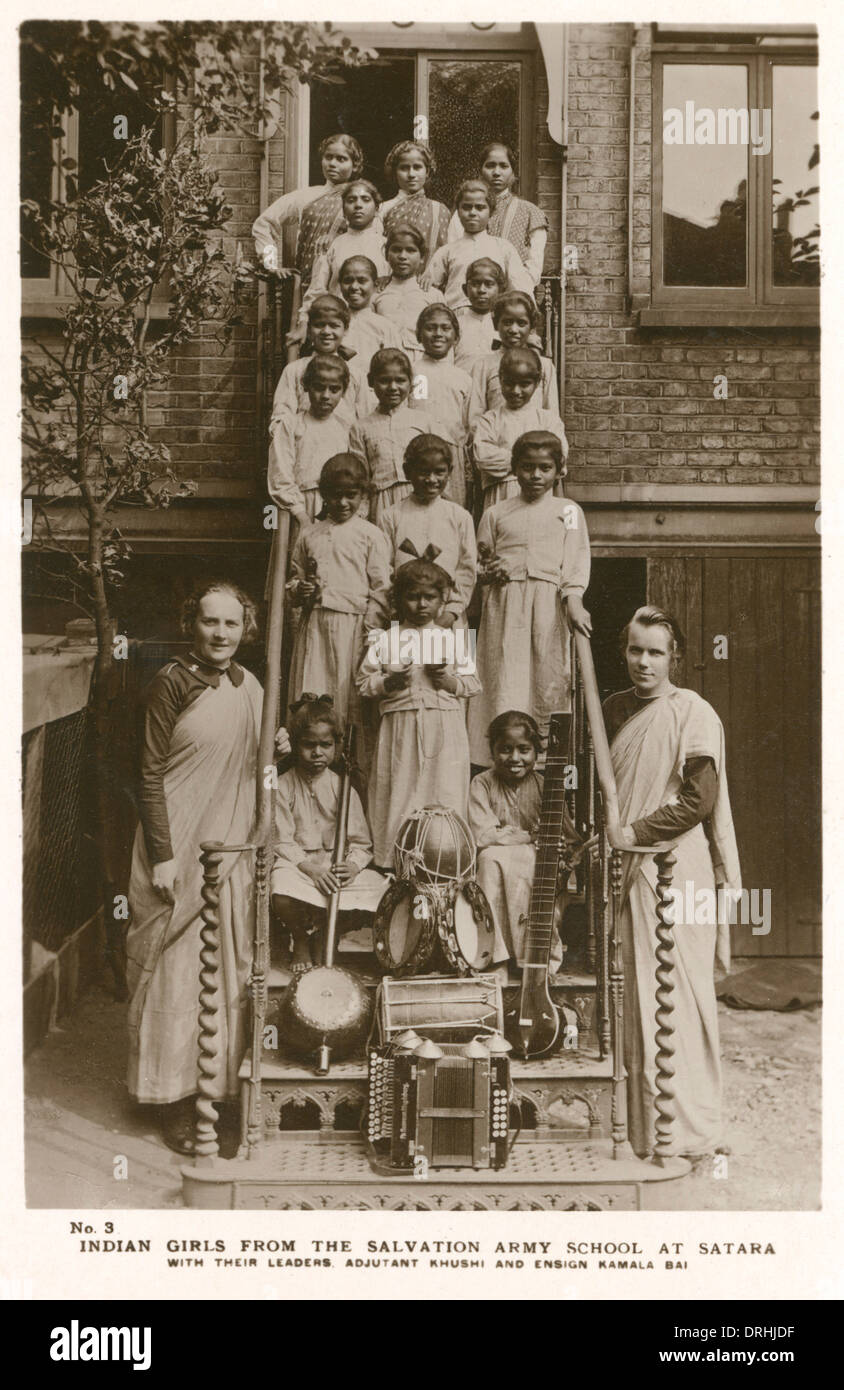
<point x="596" y="816"/>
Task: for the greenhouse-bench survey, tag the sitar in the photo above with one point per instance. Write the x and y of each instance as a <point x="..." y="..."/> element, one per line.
<point x="532" y="1022"/>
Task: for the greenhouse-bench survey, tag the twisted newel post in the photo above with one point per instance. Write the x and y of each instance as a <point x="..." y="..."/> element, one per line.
<point x="620" y="1142"/>
<point x="208" y="1067"/>
<point x="664" y="1100"/>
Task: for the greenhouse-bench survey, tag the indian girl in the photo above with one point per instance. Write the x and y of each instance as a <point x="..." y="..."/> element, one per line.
<point x="514" y="219"/>
<point x="402" y="299"/>
<point x="426" y="525"/>
<point x="367" y="331"/>
<point x="475" y="205"/>
<point x="521" y="411"/>
<point x="202" y="715"/>
<point x="667" y="749"/>
<point x="318" y="210"/>
<point x="306" y="804"/>
<point x="364" y="237"/>
<point x="514" y="320"/>
<point x="411" y="165"/>
<point x="300" y="443"/>
<point x="382" y="437"/>
<point x="421" y="754"/>
<point x="441" y="390"/>
<point x="535" y="559"/>
<point x="328" y="323"/>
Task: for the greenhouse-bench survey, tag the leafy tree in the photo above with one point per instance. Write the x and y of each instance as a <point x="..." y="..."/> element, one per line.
<point x="149" y="228"/>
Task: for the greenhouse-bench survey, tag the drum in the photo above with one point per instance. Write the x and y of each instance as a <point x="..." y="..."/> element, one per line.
<point x="435" y="845"/>
<point x="440" y="1007"/>
<point x="466" y="929"/>
<point x="326" y="1006"/>
<point x="404" y="928"/>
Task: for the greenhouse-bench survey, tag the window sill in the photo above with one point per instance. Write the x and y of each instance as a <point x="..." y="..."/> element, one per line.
<point x="772" y="316"/>
<point x="52" y="308"/>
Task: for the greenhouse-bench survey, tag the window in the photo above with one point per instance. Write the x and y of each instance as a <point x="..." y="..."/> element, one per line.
<point x="88" y="139"/>
<point x="735" y="232"/>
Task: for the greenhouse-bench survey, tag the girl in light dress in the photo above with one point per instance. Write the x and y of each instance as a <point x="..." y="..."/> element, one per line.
<point x="382" y="437"/>
<point x="301" y="443"/>
<point x="516" y="220"/>
<point x="535" y="550"/>
<point x="402" y="299"/>
<point x="411" y="164"/>
<point x="364" y="237"/>
<point x="426" y="525"/>
<point x="514" y="318"/>
<point x="340" y="580"/>
<point x="504" y="810"/>
<point x="447" y="269"/>
<point x="485" y="281"/>
<point x="441" y="390"/>
<point x="318" y="210"/>
<point x="328" y="322"/>
<point x="367" y="332"/>
<point x="303" y="878"/>
<point x="495" y="433"/>
<point x="421" y="754"/>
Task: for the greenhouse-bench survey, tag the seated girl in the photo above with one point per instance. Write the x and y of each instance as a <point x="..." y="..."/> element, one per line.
<point x="504" y="807"/>
<point x="303" y="878"/>
<point x="410" y="164"/>
<point x="422" y="753"/>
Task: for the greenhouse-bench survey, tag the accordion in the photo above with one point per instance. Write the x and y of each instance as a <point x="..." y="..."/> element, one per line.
<point x="446" y="1110"/>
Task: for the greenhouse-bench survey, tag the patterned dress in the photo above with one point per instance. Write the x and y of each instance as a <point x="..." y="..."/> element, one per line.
<point x="425" y="214"/>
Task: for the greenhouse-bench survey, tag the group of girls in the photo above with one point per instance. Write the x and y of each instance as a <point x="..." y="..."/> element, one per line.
<point x="423" y="402"/>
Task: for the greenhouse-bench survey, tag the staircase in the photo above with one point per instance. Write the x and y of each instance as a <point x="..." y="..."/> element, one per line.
<point x="301" y="1144"/>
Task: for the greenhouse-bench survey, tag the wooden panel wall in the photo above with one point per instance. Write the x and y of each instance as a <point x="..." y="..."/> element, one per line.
<point x="767" y="693"/>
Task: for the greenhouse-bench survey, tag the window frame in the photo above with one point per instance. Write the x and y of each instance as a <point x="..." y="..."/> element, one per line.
<point x="760" y="302"/>
<point x="46" y="297"/>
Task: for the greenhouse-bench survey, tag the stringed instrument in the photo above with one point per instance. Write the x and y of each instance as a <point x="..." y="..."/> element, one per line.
<point x="532" y="1022"/>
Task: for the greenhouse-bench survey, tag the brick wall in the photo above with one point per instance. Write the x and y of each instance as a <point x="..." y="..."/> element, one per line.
<point x="639" y="403"/>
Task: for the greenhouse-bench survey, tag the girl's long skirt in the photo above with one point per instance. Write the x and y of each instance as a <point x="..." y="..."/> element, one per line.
<point x="523" y="658"/>
<point x="327" y="650"/>
<point x="421" y="759"/>
<point x="505" y="873"/>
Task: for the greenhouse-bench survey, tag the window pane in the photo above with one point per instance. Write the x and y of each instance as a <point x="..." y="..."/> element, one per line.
<point x="469" y="102"/>
<point x="706" y="130"/>
<point x="795" y="147"/>
<point x="98" y="146"/>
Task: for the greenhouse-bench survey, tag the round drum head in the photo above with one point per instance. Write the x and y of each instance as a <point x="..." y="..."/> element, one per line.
<point x="403" y="931"/>
<point x="470" y="940"/>
<point x="404" y="927"/>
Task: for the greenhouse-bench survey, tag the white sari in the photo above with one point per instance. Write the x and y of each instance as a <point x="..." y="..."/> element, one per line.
<point x="649" y="753"/>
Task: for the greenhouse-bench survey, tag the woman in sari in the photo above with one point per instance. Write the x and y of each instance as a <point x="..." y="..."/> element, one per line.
<point x="318" y="209"/>
<point x="201" y="724"/>
<point x="667" y="747"/>
<point x="410" y="165"/>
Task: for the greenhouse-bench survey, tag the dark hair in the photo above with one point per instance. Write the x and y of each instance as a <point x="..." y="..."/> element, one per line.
<point x="398" y="229"/>
<point x="651" y="615"/>
<point x="498" y="145"/>
<point x="509" y="300"/>
<point x="537" y="439"/>
<point x="350" y="145"/>
<point x="190" y="607"/>
<point x="343" y="470"/>
<point x="389" y="357"/>
<point x="363" y="260"/>
<point x="329" y="361"/>
<point x="310" y="710"/>
<point x="363" y="183"/>
<point x="514" y="719"/>
<point x="437" y="309"/>
<point x="420" y="572"/>
<point x="485" y="265"/>
<point x="326" y="304"/>
<point x="404" y="147"/>
<point x="422" y="444"/>
<point x="511" y="357"/>
<point x="475" y="186"/>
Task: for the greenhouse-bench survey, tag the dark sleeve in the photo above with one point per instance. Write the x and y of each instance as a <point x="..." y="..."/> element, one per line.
<point x="694" y="803"/>
<point x="163" y="703"/>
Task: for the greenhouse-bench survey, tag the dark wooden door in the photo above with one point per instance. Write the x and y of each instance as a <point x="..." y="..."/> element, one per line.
<point x="767" y="692"/>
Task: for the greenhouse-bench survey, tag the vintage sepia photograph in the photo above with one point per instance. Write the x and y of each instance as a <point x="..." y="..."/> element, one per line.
<point x="421" y="756"/>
